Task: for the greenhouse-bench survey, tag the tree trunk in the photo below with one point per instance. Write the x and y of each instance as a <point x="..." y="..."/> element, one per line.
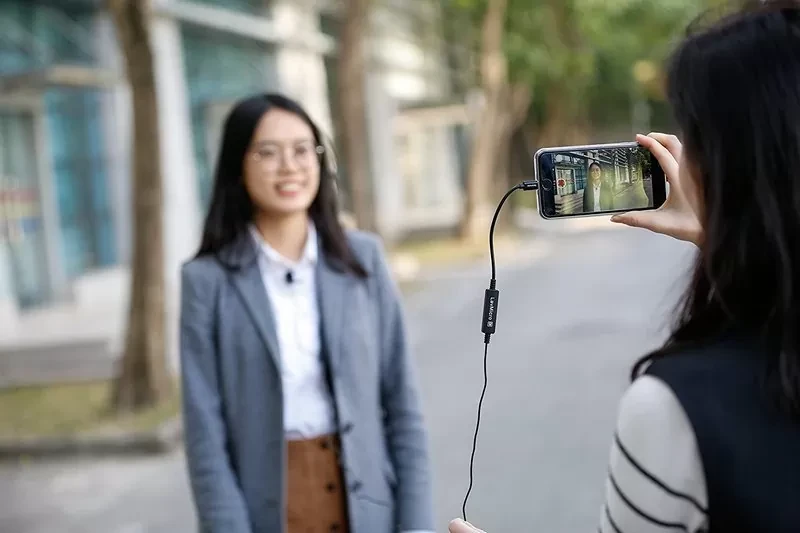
<point x="474" y="224"/>
<point x="553" y="131"/>
<point x="565" y="117"/>
<point x="143" y="378"/>
<point x="511" y="117"/>
<point x="351" y="94"/>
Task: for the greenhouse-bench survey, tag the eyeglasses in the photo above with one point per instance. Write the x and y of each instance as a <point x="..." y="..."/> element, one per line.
<point x="272" y="156"/>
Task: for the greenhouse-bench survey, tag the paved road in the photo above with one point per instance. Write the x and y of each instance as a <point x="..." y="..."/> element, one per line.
<point x="570" y="325"/>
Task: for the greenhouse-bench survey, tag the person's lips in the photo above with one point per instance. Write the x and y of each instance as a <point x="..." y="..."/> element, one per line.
<point x="289" y="188"/>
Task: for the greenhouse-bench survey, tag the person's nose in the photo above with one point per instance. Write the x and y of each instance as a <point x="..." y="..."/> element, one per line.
<point x="288" y="162"/>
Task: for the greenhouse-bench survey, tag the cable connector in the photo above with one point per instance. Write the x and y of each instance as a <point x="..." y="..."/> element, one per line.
<point x="529" y="185"/>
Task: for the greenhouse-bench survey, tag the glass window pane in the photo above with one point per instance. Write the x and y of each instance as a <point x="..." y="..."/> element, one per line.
<point x="220" y="68"/>
<point x="254" y="7"/>
<point x="76" y="141"/>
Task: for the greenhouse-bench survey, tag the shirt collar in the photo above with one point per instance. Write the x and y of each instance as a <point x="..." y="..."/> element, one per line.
<point x="310" y="251"/>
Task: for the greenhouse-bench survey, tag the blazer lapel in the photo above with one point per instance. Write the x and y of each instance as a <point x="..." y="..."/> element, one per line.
<point x="250" y="286"/>
<point x="332" y="287"/>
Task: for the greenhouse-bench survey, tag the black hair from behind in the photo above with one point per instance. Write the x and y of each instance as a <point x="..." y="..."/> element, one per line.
<point x="734" y="87"/>
<point x="232" y="210"/>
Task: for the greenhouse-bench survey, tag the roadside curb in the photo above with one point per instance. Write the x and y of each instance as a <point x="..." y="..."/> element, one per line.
<point x="161" y="440"/>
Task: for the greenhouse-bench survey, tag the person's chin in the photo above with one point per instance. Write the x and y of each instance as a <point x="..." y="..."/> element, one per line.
<point x="291" y="206"/>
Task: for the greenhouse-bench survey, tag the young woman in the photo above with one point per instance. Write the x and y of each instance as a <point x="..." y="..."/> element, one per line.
<point x="708" y="437"/>
<point x="598" y="194"/>
<point x="299" y="397"/>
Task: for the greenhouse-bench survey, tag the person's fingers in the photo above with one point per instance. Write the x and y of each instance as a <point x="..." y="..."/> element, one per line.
<point x="671" y="142"/>
<point x="657" y="221"/>
<point x="633" y="220"/>
<point x="662" y="155"/>
<point x="459" y="526"/>
<point x="679" y="225"/>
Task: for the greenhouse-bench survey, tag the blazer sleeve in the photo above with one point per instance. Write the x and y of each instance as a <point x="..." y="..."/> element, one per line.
<point x="219" y="502"/>
<point x="404" y="424"/>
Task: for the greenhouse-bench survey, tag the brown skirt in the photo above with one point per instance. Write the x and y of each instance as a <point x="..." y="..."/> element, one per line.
<point x="317" y="497"/>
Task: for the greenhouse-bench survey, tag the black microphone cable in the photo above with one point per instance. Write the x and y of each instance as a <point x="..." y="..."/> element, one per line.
<point x="489" y="325"/>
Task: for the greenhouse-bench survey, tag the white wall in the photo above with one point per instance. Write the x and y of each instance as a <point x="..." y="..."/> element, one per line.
<point x="301" y="70"/>
<point x="8" y="307"/>
<point x="409" y="66"/>
<point x="387" y="185"/>
<point x="408" y="46"/>
<point x="181" y="199"/>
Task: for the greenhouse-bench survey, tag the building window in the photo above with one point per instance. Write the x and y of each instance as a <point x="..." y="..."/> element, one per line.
<point x="36" y="36"/>
<point x="565" y="181"/>
<point x="220" y="69"/>
<point x="23" y="255"/>
<point x="419" y="155"/>
<point x="77" y="142"/>
<point x="251" y="7"/>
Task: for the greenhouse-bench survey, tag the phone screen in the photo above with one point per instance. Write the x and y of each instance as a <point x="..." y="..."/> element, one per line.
<point x="592" y="180"/>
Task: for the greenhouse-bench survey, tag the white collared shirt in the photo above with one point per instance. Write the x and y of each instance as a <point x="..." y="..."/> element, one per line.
<point x="308" y="409"/>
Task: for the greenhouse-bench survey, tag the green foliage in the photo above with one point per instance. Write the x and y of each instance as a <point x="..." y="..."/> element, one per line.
<point x="584" y="52"/>
<point x="625" y="32"/>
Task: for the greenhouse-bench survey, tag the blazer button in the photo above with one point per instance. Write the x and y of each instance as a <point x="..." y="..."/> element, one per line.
<point x="347" y="428"/>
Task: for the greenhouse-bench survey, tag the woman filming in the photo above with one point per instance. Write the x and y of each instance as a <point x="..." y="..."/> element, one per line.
<point x="299" y="397"/>
<point x="708" y="434"/>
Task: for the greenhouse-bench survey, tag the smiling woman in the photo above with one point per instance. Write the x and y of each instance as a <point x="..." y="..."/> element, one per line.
<point x="280" y="391"/>
<point x="281" y="139"/>
<point x="254" y="171"/>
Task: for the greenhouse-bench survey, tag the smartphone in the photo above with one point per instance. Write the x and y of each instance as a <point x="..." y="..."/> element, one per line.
<point x="591" y="180"/>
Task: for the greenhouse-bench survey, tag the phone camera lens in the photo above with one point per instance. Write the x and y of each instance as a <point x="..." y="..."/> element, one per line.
<point x="547" y="184"/>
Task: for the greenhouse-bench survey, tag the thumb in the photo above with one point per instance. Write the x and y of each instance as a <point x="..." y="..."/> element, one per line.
<point x="459" y="526"/>
<point x="634" y="219"/>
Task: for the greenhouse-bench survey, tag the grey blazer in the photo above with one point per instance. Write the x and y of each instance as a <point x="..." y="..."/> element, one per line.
<point x="232" y="398"/>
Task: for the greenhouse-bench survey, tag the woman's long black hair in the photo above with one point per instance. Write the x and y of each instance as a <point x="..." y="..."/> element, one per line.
<point x="231" y="208"/>
<point x="735" y="92"/>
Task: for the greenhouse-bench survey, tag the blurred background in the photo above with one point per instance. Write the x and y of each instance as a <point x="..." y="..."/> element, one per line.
<point x="435" y="108"/>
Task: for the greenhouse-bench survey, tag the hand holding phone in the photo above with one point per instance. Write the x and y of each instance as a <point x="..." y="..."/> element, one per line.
<point x="626" y="180"/>
<point x="599" y="179"/>
<point x="679" y="217"/>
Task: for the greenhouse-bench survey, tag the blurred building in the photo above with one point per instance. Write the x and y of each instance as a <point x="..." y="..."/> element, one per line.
<point x="65" y="228"/>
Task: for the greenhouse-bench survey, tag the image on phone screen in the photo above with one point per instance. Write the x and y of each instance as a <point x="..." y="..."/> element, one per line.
<point x="592" y="180"/>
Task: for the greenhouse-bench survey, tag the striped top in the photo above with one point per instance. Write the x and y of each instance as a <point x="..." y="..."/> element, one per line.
<point x="655" y="481"/>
